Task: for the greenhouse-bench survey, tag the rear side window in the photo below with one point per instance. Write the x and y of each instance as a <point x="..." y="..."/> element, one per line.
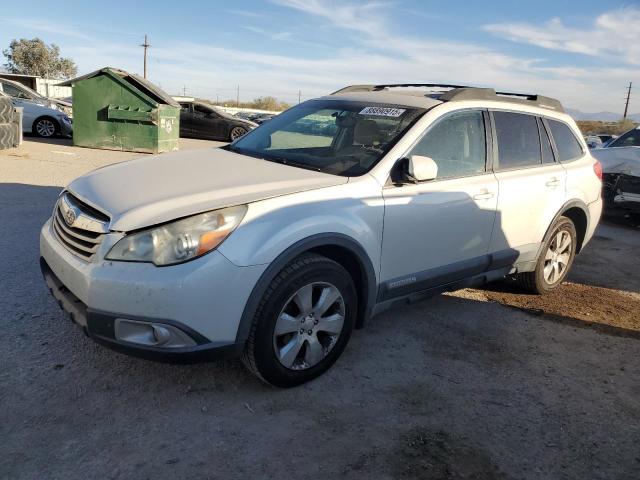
<point x="566" y="142"/>
<point x="518" y="140"/>
<point x="457" y="143"/>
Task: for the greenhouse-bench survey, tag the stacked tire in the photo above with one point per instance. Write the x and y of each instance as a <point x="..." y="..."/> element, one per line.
<point x="9" y="127"/>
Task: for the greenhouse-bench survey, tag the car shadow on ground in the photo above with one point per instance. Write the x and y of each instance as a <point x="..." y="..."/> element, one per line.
<point x="56" y="140"/>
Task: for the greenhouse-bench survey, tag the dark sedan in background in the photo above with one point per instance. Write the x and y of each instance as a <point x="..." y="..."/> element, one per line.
<point x="198" y="120"/>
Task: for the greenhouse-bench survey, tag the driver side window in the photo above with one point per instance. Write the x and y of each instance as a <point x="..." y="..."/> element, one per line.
<point x="457" y="143"/>
<point x="13" y="91"/>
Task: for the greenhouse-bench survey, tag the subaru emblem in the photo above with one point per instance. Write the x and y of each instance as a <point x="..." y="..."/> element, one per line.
<point x="70" y="217"/>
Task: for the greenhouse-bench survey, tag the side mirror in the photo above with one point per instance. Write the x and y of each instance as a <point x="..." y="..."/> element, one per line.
<point x="422" y="169"/>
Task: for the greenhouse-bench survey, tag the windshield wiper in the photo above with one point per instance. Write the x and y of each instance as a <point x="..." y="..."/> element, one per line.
<point x="270" y="158"/>
<point x="286" y="161"/>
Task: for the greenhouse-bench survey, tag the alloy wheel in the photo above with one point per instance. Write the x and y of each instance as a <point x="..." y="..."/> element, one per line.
<point x="309" y="325"/>
<point x="45" y="128"/>
<point x="556" y="260"/>
<point x="237" y="132"/>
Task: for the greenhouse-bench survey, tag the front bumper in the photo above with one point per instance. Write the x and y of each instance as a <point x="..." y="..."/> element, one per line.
<point x="204" y="298"/>
<point x="100" y="327"/>
<point x="66" y="129"/>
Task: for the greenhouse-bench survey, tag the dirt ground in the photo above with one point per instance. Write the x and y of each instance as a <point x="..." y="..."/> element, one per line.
<point x="478" y="384"/>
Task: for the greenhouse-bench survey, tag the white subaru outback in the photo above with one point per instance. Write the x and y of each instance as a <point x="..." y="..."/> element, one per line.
<point x="275" y="247"/>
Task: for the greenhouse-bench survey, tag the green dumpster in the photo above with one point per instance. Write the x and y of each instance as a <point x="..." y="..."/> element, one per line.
<point x="115" y="110"/>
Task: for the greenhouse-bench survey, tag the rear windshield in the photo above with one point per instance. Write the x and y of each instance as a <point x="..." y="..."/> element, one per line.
<point x="332" y="136"/>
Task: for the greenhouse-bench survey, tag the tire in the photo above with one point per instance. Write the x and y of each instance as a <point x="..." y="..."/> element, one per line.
<point x="237" y="132"/>
<point x="45" y="127"/>
<point x="310" y="350"/>
<point x="552" y="265"/>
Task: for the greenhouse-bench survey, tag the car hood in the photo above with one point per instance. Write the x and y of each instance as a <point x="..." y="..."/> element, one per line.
<point x="156" y="189"/>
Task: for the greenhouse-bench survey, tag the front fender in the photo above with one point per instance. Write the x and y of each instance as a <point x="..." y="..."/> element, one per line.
<point x="272" y="226"/>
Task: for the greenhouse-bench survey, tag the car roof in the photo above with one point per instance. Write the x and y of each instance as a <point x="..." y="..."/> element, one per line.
<point x="430" y="95"/>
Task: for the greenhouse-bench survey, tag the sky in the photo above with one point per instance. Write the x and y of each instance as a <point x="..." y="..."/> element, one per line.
<point x="582" y="52"/>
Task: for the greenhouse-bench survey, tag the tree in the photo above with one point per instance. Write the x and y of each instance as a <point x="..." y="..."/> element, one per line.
<point x="34" y="57"/>
<point x="269" y="103"/>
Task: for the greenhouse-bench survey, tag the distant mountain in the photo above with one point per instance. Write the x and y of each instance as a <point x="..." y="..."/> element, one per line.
<point x="601" y="116"/>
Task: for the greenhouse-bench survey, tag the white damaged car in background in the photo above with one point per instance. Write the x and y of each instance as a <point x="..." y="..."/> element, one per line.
<point x="621" y="172"/>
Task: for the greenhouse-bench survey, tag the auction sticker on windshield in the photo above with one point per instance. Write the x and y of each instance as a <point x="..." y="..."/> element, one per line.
<point x="383" y="111"/>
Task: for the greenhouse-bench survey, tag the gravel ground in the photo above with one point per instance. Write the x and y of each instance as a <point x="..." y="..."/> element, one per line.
<point x="456" y="387"/>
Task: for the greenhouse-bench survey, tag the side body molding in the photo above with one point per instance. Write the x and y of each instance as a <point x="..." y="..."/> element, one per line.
<point x="368" y="292"/>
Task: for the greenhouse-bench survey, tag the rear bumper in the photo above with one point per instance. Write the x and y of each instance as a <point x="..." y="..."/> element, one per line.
<point x="595" y="212"/>
<point x="100" y="327"/>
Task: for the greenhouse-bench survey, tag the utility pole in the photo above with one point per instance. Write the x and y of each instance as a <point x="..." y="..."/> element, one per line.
<point x="626" y="106"/>
<point x="146" y="46"/>
<point x="299" y="95"/>
<point x="238" y="97"/>
<point x="184" y="90"/>
<point x="217" y="99"/>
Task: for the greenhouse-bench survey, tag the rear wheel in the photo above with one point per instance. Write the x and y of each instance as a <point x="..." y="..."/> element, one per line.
<point x="303" y="322"/>
<point x="45" y="127"/>
<point x="237" y="132"/>
<point x="555" y="260"/>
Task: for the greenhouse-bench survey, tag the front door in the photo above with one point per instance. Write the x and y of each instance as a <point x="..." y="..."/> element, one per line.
<point x="439" y="231"/>
<point x="207" y="123"/>
<point x="186" y="119"/>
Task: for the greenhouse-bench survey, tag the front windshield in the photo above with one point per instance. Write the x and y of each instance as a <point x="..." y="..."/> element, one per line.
<point x="332" y="136"/>
<point x="33" y="92"/>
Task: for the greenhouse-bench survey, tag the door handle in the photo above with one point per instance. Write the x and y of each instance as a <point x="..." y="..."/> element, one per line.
<point x="483" y="195"/>
<point x="553" y="182"/>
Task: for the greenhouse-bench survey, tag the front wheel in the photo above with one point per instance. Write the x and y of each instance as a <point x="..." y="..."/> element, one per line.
<point x="555" y="260"/>
<point x="45" y="127"/>
<point x="303" y="322"/>
<point x="237" y="132"/>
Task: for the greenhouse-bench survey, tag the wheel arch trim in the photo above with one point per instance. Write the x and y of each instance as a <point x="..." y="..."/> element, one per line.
<point x="575" y="203"/>
<point x="295" y="250"/>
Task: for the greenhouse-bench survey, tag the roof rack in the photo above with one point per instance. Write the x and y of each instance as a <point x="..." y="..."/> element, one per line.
<point x="463" y="92"/>
<point x="378" y="88"/>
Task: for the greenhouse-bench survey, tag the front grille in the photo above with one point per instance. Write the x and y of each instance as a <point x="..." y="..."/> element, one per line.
<point x="81" y="236"/>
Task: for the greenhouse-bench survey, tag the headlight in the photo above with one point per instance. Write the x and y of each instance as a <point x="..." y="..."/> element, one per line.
<point x="179" y="241"/>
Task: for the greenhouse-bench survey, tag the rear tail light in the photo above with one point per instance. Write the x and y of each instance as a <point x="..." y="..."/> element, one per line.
<point x="597" y="169"/>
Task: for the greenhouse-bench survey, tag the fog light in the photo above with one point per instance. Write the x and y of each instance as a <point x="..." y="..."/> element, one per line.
<point x="151" y="334"/>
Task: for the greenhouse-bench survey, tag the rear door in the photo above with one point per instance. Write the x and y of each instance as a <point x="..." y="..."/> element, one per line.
<point x="531" y="183"/>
